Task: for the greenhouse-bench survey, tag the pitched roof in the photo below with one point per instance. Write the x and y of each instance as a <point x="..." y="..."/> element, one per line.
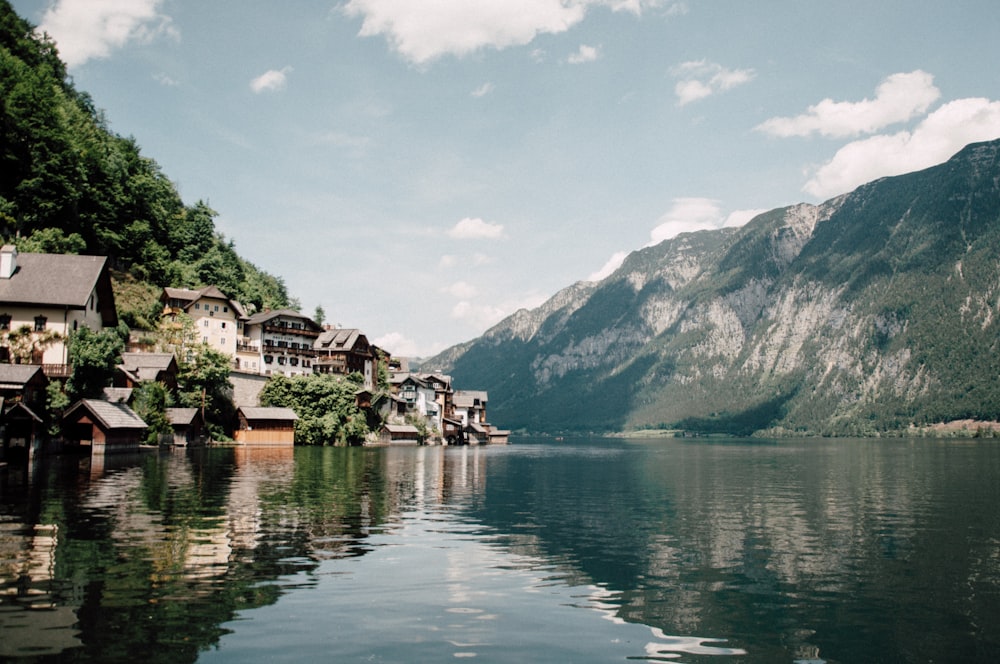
<point x="17" y="375"/>
<point x="109" y="415"/>
<point x="264" y="316"/>
<point x="268" y="413"/>
<point x="338" y="339"/>
<point x="62" y="280"/>
<point x="181" y="415"/>
<point x="134" y="361"/>
<point x="191" y="296"/>
<point x="118" y="394"/>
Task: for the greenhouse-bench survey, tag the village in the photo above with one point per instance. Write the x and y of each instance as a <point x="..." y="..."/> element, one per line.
<point x="46" y="298"/>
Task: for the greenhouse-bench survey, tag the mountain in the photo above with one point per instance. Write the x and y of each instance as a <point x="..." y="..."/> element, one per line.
<point x="870" y="313"/>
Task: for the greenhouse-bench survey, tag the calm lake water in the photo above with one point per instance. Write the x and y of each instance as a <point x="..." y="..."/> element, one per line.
<point x="571" y="551"/>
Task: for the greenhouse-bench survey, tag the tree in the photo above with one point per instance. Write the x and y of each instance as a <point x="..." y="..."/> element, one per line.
<point x="319" y="316"/>
<point x="94" y="356"/>
<point x="326" y="405"/>
<point x="150" y="401"/>
<point x="203" y="382"/>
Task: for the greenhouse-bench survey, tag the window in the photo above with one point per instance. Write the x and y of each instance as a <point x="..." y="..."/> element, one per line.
<point x="294" y="361"/>
<point x="216" y="307"/>
<point x="222" y="341"/>
<point x="222" y="325"/>
<point x="204" y="340"/>
<point x="197" y="306"/>
<point x="204" y="323"/>
<point x="268" y="359"/>
<point x="40" y="323"/>
<point x="4" y="321"/>
<point x="225" y="310"/>
<point x="281" y="359"/>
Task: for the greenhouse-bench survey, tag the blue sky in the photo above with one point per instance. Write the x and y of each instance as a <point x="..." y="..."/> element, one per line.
<point x="423" y="169"/>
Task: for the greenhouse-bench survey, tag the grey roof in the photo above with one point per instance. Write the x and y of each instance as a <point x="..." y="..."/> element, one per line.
<point x="338" y="339"/>
<point x="264" y="316"/>
<point x="134" y="361"/>
<point x="18" y="374"/>
<point x="56" y="279"/>
<point x="181" y="415"/>
<point x="60" y="280"/>
<point x="110" y="415"/>
<point x="401" y="428"/>
<point x="191" y="296"/>
<point x="19" y="406"/>
<point x="467" y="398"/>
<point x="268" y="413"/>
<point x="118" y="394"/>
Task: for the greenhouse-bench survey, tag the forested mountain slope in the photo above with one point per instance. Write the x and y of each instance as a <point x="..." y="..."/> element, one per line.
<point x="872" y="312"/>
<point x="69" y="184"/>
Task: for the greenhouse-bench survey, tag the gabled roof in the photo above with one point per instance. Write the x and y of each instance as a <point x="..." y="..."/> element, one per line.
<point x="109" y="415"/>
<point x="183" y="416"/>
<point x="19" y="408"/>
<point x="60" y="280"/>
<point x="268" y="413"/>
<point x="118" y="394"/>
<point x="339" y="339"/>
<point x="159" y="361"/>
<point x="265" y="316"/>
<point x="16" y="376"/>
<point x="189" y="297"/>
<point x="140" y="367"/>
<point x="468" y="398"/>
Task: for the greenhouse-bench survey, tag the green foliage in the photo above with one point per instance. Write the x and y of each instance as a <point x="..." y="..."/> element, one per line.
<point x="94" y="356"/>
<point x="70" y="185"/>
<point x="150" y="401"/>
<point x="326" y="405"/>
<point x="56" y="401"/>
<point x="203" y="382"/>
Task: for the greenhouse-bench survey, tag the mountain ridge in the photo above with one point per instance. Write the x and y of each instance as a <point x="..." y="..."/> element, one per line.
<point x="870" y="313"/>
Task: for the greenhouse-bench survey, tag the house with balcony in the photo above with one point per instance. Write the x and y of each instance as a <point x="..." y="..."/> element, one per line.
<point x="345" y="351"/>
<point x="44" y="298"/>
<point x="218" y="319"/>
<point x="278" y="342"/>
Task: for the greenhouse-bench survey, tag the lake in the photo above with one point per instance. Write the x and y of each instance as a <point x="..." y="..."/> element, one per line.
<point x="602" y="550"/>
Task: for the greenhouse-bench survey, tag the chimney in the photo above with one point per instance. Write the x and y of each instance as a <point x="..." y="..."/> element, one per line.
<point x="8" y="261"/>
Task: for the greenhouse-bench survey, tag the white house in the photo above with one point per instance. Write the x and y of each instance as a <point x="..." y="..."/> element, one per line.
<point x="52" y="295"/>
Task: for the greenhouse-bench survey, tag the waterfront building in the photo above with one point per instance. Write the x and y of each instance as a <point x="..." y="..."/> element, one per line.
<point x="218" y="319"/>
<point x="44" y="298"/>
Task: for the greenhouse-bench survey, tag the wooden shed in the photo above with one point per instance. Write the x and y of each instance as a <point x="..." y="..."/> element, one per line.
<point x="188" y="427"/>
<point x="21" y="429"/>
<point x="399" y="434"/>
<point x="106" y="427"/>
<point x="265" y="426"/>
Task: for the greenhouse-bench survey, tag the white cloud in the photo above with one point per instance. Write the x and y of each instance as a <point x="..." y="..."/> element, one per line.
<point x="165" y="80"/>
<point x="608" y="269"/>
<point x="400" y="345"/>
<point x="484" y="316"/>
<point x="898" y="98"/>
<point x="939" y="136"/>
<point x="476" y="229"/>
<point x="461" y="290"/>
<point x="483" y="90"/>
<point x="738" y="218"/>
<point x="583" y="55"/>
<point x="88" y="29"/>
<point x="685" y="216"/>
<point x="462" y="27"/>
<point x="700" y="79"/>
<point x="271" y="80"/>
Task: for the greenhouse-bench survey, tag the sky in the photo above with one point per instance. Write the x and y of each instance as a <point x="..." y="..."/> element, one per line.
<point x="423" y="169"/>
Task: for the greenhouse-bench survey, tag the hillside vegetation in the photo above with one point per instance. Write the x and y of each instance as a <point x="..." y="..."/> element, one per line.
<point x="872" y="313"/>
<point x="69" y="184"/>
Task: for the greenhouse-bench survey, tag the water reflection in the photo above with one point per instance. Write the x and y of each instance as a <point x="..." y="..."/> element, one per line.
<point x="588" y="551"/>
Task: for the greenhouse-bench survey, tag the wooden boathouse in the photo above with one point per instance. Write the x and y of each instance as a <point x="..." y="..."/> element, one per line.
<point x="104" y="426"/>
<point x="273" y="427"/>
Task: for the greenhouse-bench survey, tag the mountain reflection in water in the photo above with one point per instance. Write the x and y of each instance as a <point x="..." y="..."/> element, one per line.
<point x="591" y="550"/>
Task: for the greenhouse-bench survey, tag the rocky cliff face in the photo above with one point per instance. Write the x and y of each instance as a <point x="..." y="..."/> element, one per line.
<point x="871" y="312"/>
